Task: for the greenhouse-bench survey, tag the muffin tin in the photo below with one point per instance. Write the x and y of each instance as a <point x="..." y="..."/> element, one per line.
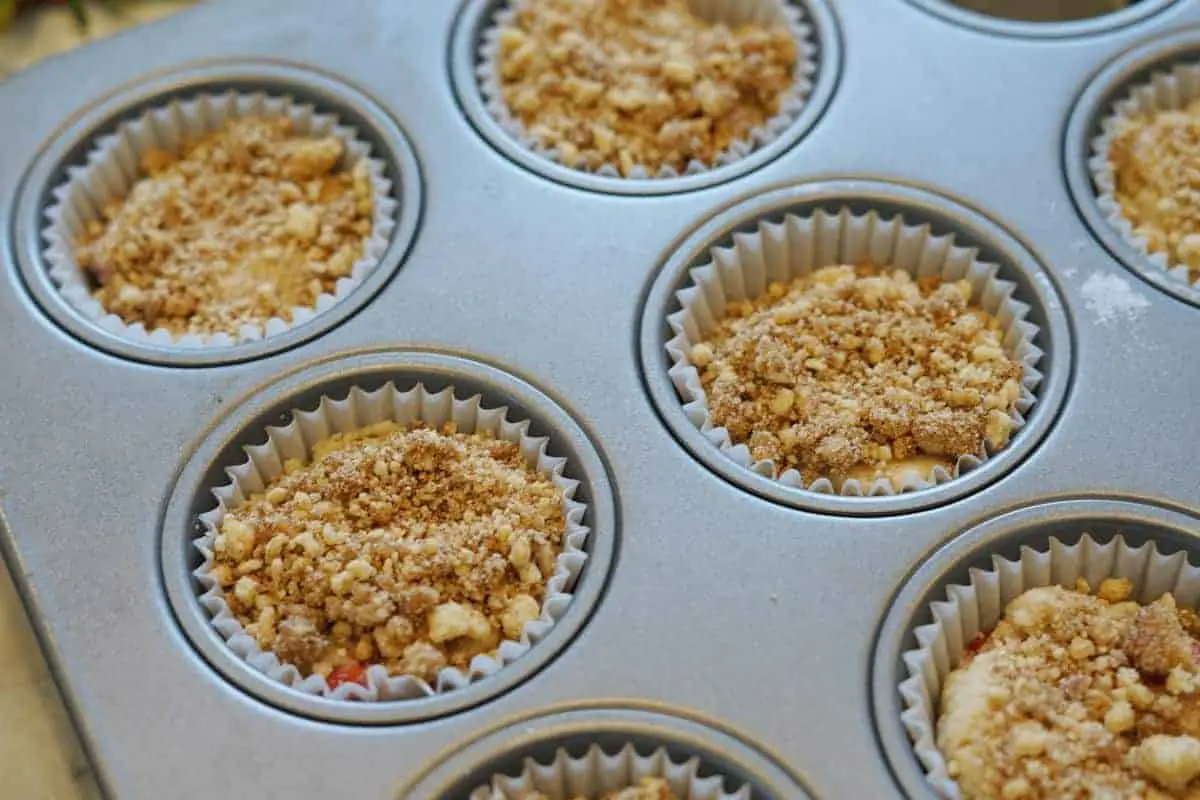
<point x="721" y="618"/>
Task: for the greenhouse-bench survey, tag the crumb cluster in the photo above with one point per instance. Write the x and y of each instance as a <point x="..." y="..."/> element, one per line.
<point x="1075" y="696"/>
<point x="852" y="369"/>
<point x="244" y="224"/>
<point x="646" y="789"/>
<point x="1156" y="163"/>
<point x="640" y="82"/>
<point x="415" y="549"/>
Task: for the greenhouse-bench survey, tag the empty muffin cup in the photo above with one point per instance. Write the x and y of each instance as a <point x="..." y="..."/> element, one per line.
<point x="496" y="43"/>
<point x="796" y="247"/>
<point x="357" y="411"/>
<point x="114" y="169"/>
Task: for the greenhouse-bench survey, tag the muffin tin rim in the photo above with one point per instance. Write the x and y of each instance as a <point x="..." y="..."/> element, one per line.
<point x="468" y="26"/>
<point x="80" y="129"/>
<point x="980" y="22"/>
<point x="827" y="191"/>
<point x="929" y="575"/>
<point x="1103" y="88"/>
<point x="666" y="725"/>
<point x="189" y="489"/>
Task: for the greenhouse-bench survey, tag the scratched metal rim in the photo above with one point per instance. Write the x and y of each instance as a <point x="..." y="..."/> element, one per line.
<point x="73" y="141"/>
<point x="1017" y="263"/>
<point x="987" y="23"/>
<point x="1003" y="535"/>
<point x="273" y="404"/>
<point x="503" y="750"/>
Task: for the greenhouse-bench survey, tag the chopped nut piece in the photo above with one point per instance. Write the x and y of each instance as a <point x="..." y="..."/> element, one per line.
<point x="244" y="224"/>
<point x="411" y="565"/>
<point x="851" y="371"/>
<point x="640" y="82"/>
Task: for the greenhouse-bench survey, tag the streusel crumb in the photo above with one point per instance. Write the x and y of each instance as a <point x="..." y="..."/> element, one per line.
<point x="1075" y="696"/>
<point x="640" y="82"/>
<point x="646" y="789"/>
<point x="242" y="225"/>
<point x="850" y="370"/>
<point x="415" y="549"/>
<point x="1156" y="161"/>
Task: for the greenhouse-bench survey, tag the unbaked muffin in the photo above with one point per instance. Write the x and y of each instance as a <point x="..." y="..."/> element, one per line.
<point x="1075" y="695"/>
<point x="860" y="372"/>
<point x="1156" y="167"/>
<point x="646" y="789"/>
<point x="639" y="83"/>
<point x="242" y="225"/>
<point x="416" y="549"/>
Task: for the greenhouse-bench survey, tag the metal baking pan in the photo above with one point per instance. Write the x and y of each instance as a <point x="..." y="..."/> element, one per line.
<point x="723" y="618"/>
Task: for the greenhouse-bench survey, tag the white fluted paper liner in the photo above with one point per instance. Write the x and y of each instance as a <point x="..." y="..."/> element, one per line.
<point x="113" y="167"/>
<point x="799" y="245"/>
<point x="1165" y="91"/>
<point x="731" y="12"/>
<point x="976" y="608"/>
<point x="359" y="410"/>
<point x="597" y="773"/>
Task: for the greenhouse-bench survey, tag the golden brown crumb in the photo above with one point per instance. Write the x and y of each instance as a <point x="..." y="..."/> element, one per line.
<point x="640" y="82"/>
<point x="1156" y="163"/>
<point x="850" y="369"/>
<point x="244" y="224"/>
<point x="409" y="548"/>
<point x="1077" y="696"/>
<point x="646" y="789"/>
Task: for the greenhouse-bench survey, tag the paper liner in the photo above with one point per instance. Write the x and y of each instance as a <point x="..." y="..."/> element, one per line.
<point x="801" y="244"/>
<point x="358" y="410"/>
<point x="1164" y="91"/>
<point x="597" y="773"/>
<point x="732" y="12"/>
<point x="113" y="167"/>
<point x="976" y="608"/>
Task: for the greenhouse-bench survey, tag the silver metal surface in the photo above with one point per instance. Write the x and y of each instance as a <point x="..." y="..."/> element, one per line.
<point x="745" y="611"/>
<point x="1004" y="535"/>
<point x="274" y="405"/>
<point x="477" y="15"/>
<point x="576" y="727"/>
<point x="1109" y="87"/>
<point x="1034" y="286"/>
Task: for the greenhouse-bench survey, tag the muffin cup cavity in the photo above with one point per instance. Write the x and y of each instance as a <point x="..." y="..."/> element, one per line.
<point x="802" y="243"/>
<point x="976" y="607"/>
<point x="1169" y="89"/>
<point x="356" y="410"/>
<point x="732" y="12"/>
<point x="598" y="772"/>
<point x="112" y="169"/>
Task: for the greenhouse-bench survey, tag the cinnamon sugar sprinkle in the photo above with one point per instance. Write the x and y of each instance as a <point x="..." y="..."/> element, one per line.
<point x="244" y="224"/>
<point x="415" y="549"/>
<point x="1156" y="164"/>
<point x="640" y="82"/>
<point x="1076" y="696"/>
<point x="851" y="369"/>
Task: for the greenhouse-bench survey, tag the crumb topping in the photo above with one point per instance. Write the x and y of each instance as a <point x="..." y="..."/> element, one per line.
<point x="646" y="789"/>
<point x="640" y="82"/>
<point x="415" y="549"/>
<point x="1076" y="695"/>
<point x="1156" y="163"/>
<point x="848" y="370"/>
<point x="242" y="225"/>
